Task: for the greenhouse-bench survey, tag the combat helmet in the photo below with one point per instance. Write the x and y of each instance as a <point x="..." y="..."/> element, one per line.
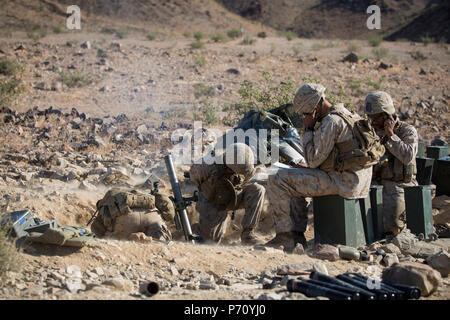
<point x="239" y="157"/>
<point x="307" y="97"/>
<point x="378" y="102"/>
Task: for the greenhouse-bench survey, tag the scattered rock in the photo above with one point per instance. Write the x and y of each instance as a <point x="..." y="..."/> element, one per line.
<point x="351" y="57"/>
<point x="384" y="66"/>
<point x="268" y="296"/>
<point x="295" y="269"/>
<point x="207" y="285"/>
<point x="233" y="71"/>
<point x="326" y="252"/>
<point x="320" y="267"/>
<point x="298" y="249"/>
<point x="440" y="262"/>
<point x="86" y="45"/>
<point x="391" y="248"/>
<point x="404" y="240"/>
<point x="414" y="274"/>
<point x="84" y="185"/>
<point x="120" y="284"/>
<point x="389" y="259"/>
<point x="442" y="204"/>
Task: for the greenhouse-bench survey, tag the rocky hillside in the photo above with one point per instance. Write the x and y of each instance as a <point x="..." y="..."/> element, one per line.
<point x="173" y="15"/>
<point x="434" y="23"/>
<point x="346" y="19"/>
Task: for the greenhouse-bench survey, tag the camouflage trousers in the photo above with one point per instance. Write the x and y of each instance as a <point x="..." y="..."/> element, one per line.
<point x="287" y="192"/>
<point x="214" y="222"/>
<point x="394" y="215"/>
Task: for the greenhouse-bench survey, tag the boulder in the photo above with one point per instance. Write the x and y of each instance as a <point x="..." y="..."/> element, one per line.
<point x="326" y="252"/>
<point x="404" y="240"/>
<point x="442" y="203"/>
<point x="422" y="250"/>
<point x="414" y="274"/>
<point x="391" y="248"/>
<point x="351" y="57"/>
<point x="440" y="262"/>
<point x="295" y="269"/>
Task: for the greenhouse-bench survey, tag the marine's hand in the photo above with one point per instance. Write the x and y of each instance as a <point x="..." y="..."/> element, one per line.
<point x="309" y="121"/>
<point x="389" y="126"/>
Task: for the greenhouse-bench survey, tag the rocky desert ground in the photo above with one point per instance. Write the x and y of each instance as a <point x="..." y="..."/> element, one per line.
<point x="96" y="111"/>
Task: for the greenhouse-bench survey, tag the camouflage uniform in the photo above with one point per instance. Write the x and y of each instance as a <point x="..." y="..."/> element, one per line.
<point x="289" y="187"/>
<point x="398" y="167"/>
<point x="221" y="191"/>
<point x="122" y="212"/>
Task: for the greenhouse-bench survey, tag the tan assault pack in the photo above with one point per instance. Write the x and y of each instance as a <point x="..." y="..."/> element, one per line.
<point x="363" y="151"/>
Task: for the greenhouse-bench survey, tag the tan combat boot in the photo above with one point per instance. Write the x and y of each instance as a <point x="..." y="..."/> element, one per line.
<point x="248" y="237"/>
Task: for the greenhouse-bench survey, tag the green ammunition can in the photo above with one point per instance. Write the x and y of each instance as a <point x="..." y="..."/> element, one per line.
<point x="338" y="221"/>
<point x="376" y="204"/>
<point x="421" y="150"/>
<point x="424" y="170"/>
<point x="442" y="179"/>
<point x="367" y="218"/>
<point x="419" y="217"/>
<point x="437" y="152"/>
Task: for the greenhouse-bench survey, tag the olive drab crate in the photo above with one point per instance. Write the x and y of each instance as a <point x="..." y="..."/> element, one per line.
<point x="338" y="221"/>
<point x="419" y="217"/>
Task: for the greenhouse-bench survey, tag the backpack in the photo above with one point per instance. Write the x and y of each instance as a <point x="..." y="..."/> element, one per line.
<point x="363" y="151"/>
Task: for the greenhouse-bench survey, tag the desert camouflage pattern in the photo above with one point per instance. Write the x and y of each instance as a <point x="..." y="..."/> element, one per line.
<point x="310" y="182"/>
<point x="214" y="220"/>
<point x="123" y="212"/>
<point x="378" y="102"/>
<point x="307" y="97"/>
<point x="397" y="173"/>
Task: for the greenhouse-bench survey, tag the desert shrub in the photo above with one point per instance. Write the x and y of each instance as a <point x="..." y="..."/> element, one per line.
<point x="121" y="33"/>
<point x="234" y="33"/>
<point x="265" y="97"/>
<point x="10" y="89"/>
<point x="58" y="30"/>
<point x="198" y="35"/>
<point x="202" y="90"/>
<point x="10" y="67"/>
<point x="289" y="35"/>
<point x="174" y="113"/>
<point x="207" y="114"/>
<point x="296" y="50"/>
<point x="380" y="53"/>
<point x="200" y="60"/>
<point x="426" y="40"/>
<point x="417" y="55"/>
<point x="375" y="40"/>
<point x="443" y="43"/>
<point x="375" y="84"/>
<point x="101" y="53"/>
<point x="355" y="86"/>
<point x="218" y="37"/>
<point x="248" y="41"/>
<point x="262" y="34"/>
<point x="75" y="78"/>
<point x="197" y="45"/>
<point x="187" y="34"/>
<point x="152" y="35"/>
<point x="353" y="47"/>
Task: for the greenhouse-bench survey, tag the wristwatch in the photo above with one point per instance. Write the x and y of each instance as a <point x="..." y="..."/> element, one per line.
<point x="309" y="129"/>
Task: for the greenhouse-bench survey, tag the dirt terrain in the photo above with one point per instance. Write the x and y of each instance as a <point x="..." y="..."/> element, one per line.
<point x="60" y="143"/>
